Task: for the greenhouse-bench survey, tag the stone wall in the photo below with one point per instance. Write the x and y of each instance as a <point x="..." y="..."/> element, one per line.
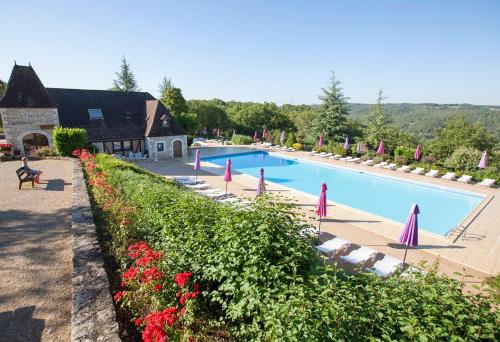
<point x="168" y="152"/>
<point x="93" y="317"/>
<point x="18" y="122"/>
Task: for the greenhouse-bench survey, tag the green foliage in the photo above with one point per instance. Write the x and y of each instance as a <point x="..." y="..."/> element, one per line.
<point x="407" y="152"/>
<point x="330" y="119"/>
<point x="463" y="159"/>
<point x="337" y="149"/>
<point x="401" y="160"/>
<point x="262" y="280"/>
<point x="457" y="133"/>
<point x="209" y="114"/>
<point x="290" y="139"/>
<point x="298" y="146"/>
<point x="2" y="87"/>
<point x="172" y="99"/>
<point x="491" y="172"/>
<point x="241" y="140"/>
<point x="493" y="287"/>
<point x="68" y="139"/>
<point x="188" y="122"/>
<point x="379" y="123"/>
<point x="125" y="79"/>
<point x="45" y="151"/>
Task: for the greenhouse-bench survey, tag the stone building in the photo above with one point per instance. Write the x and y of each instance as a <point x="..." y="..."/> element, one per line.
<point x="116" y="122"/>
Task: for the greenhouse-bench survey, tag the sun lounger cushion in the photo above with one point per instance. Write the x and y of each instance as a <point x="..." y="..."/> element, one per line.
<point x="432" y="173"/>
<point x="487" y="182"/>
<point x="465" y="179"/>
<point x="332" y="246"/>
<point x="359" y="256"/>
<point x="449" y="176"/>
<point x="418" y="171"/>
<point x="386" y="266"/>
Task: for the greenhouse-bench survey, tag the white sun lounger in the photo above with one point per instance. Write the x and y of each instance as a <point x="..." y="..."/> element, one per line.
<point x="404" y="168"/>
<point x="214" y="193"/>
<point x="449" y="176"/>
<point x="418" y="171"/>
<point x="386" y="266"/>
<point x="465" y="179"/>
<point x="326" y="155"/>
<point x="391" y="166"/>
<point x="368" y="162"/>
<point x="199" y="186"/>
<point x="229" y="200"/>
<point x="382" y="164"/>
<point x="290" y="149"/>
<point x="354" y="160"/>
<point x="487" y="182"/>
<point x="321" y="154"/>
<point x="346" y="159"/>
<point x="336" y="156"/>
<point x="187" y="180"/>
<point x="333" y="246"/>
<point x="359" y="256"/>
<point x="432" y="173"/>
<point x="312" y="153"/>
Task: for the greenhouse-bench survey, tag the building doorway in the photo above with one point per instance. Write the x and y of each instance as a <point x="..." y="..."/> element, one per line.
<point x="34" y="141"/>
<point x="177" y="149"/>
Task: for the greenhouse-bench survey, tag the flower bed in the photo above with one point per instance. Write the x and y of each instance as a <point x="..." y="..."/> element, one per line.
<point x="192" y="269"/>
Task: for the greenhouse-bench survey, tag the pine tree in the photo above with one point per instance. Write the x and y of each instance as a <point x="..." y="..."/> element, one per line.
<point x="331" y="116"/>
<point x="174" y="101"/>
<point x="379" y="122"/>
<point x="125" y="78"/>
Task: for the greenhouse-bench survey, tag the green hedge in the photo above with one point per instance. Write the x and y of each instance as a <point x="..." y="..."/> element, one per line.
<point x="239" y="139"/>
<point x="263" y="281"/>
<point x="68" y="139"/>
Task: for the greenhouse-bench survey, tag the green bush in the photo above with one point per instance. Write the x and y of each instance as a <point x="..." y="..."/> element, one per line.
<point x="68" y="139"/>
<point x="290" y="139"/>
<point x="491" y="172"/>
<point x="338" y="149"/>
<point x="378" y="159"/>
<point x="262" y="279"/>
<point x="407" y="152"/>
<point x="298" y="146"/>
<point x="464" y="159"/>
<point x="45" y="152"/>
<point x="241" y="140"/>
<point x="401" y="160"/>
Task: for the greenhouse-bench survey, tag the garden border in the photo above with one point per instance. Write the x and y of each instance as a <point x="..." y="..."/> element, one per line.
<point x="93" y="316"/>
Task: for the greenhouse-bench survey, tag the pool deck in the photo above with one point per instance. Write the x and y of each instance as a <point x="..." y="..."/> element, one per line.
<point x="475" y="253"/>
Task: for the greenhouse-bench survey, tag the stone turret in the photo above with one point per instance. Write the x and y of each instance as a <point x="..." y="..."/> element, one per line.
<point x="29" y="114"/>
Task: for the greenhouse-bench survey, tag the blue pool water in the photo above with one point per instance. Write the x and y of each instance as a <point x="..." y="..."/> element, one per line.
<point x="441" y="209"/>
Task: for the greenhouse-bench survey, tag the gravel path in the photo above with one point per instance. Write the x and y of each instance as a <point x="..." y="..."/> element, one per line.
<point x="35" y="254"/>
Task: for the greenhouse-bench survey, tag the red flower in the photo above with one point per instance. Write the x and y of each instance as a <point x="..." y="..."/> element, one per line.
<point x="123" y="284"/>
<point x="138" y="321"/>
<point x="76" y="153"/>
<point x="151" y="274"/>
<point x="155" y="325"/>
<point x="183" y="310"/>
<point x="178" y="294"/>
<point x="137" y="249"/>
<point x="130" y="273"/>
<point x="182" y="277"/>
<point x="118" y="296"/>
<point x="157" y="287"/>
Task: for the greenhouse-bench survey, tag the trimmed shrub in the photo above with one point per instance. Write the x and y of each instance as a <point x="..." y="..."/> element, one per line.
<point x="298" y="146"/>
<point x="45" y="152"/>
<point x="290" y="139"/>
<point x="239" y="139"/>
<point x="464" y="159"/>
<point x="401" y="160"/>
<point x="491" y="172"/>
<point x="407" y="152"/>
<point x="339" y="149"/>
<point x="378" y="159"/>
<point x="428" y="160"/>
<point x="68" y="139"/>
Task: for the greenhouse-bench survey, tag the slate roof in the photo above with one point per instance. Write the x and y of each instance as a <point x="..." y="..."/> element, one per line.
<point x="124" y="113"/>
<point x="155" y="113"/>
<point x="25" y="90"/>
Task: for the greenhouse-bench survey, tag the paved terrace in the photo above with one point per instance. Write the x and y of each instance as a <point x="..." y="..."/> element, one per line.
<point x="476" y="254"/>
<point x="35" y="254"/>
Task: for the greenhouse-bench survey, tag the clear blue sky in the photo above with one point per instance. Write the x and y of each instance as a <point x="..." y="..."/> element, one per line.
<point x="279" y="51"/>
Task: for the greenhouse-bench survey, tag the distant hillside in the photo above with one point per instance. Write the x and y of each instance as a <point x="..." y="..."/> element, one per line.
<point x="423" y="118"/>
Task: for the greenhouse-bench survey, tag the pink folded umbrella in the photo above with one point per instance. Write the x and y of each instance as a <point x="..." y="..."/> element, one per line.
<point x="381" y="149"/>
<point x="321" y="140"/>
<point x="227" y="174"/>
<point x="321" y="207"/>
<point x="417" y="153"/>
<point x="409" y="236"/>
<point x="197" y="165"/>
<point x="483" y="163"/>
<point x="346" y="143"/>
<point x="255" y="137"/>
<point x="282" y="138"/>
<point x="261" y="186"/>
<point x="264" y="134"/>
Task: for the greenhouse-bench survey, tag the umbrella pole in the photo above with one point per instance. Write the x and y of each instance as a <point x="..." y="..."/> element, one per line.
<point x="404" y="258"/>
<point x="319" y="226"/>
<point x="226" y="188"/>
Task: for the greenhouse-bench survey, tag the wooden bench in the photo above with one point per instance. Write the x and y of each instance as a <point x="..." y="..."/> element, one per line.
<point x="27" y="177"/>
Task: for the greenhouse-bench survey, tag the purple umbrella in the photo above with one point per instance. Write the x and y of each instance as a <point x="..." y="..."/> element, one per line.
<point x="409" y="236"/>
<point x="261" y="186"/>
<point x="227" y="174"/>
<point x="197" y="166"/>
<point x="321" y="141"/>
<point x="417" y="153"/>
<point x="483" y="163"/>
<point x="381" y="149"/>
<point x="282" y="138"/>
<point x="346" y="143"/>
<point x="264" y="134"/>
<point x="255" y="137"/>
<point x="321" y="208"/>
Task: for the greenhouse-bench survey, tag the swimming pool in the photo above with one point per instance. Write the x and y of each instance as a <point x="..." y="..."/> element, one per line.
<point x="441" y="209"/>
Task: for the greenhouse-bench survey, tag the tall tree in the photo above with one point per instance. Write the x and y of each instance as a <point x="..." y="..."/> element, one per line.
<point x="2" y="87"/>
<point x="172" y="99"/>
<point x="379" y="122"/>
<point x="331" y="116"/>
<point x="125" y="79"/>
<point x="165" y="84"/>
